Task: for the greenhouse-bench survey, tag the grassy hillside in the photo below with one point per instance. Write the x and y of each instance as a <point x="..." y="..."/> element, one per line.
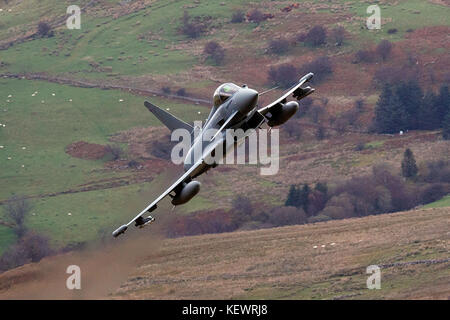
<point x="444" y="202"/>
<point x="139" y="44"/>
<point x="318" y="261"/>
<point x="41" y="122"/>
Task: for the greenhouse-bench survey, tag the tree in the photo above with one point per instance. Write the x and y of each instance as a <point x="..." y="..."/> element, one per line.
<point x="316" y="36"/>
<point x="390" y="116"/>
<point x="317" y="198"/>
<point x="410" y="95"/>
<point x="292" y="197"/>
<point x="446" y="127"/>
<point x="303" y="199"/>
<point x="278" y="46"/>
<point x="214" y="51"/>
<point x="409" y="167"/>
<point x="17" y="208"/>
<point x="321" y="187"/>
<point x="442" y="103"/>
<point x="359" y="105"/>
<point x="320" y="133"/>
<point x="384" y="49"/>
<point x="427" y="116"/>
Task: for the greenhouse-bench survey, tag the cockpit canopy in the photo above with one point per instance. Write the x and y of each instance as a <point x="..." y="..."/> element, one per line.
<point x="223" y="92"/>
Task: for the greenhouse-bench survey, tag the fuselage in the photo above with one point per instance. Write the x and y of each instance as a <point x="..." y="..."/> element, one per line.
<point x="243" y="101"/>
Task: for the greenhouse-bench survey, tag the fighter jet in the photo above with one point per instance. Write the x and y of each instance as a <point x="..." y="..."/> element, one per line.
<point x="235" y="107"/>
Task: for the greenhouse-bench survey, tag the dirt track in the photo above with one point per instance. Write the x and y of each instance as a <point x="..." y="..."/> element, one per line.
<point x="101" y="85"/>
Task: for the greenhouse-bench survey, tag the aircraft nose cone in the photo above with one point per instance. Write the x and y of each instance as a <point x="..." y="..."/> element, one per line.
<point x="249" y="98"/>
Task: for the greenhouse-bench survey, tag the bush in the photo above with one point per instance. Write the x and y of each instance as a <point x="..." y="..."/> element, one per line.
<point x="306" y="103"/>
<point x="318" y="218"/>
<point x="335" y="212"/>
<point x="347" y="118"/>
<point x="115" y="151"/>
<point x="337" y="36"/>
<point x="432" y="193"/>
<point x="44" y="29"/>
<point x="316" y="113"/>
<point x="435" y="171"/>
<point x="316" y="36"/>
<point x="364" y="56"/>
<point x="166" y="90"/>
<point x="360" y="146"/>
<point x="193" y="27"/>
<point x="181" y="92"/>
<point x="384" y="49"/>
<point x="255" y="16"/>
<point x="279" y="46"/>
<point x="214" y="51"/>
<point x="344" y="202"/>
<point x="359" y="105"/>
<point x="301" y="37"/>
<point x="238" y="16"/>
<point x="242" y="205"/>
<point x="217" y="221"/>
<point x="320" y="133"/>
<point x="283" y="75"/>
<point x="31" y="247"/>
<point x="321" y="67"/>
<point x="293" y="129"/>
<point x="283" y="216"/>
<point x="317" y="199"/>
<point x="392" y="31"/>
<point x="161" y="149"/>
<point x="395" y="75"/>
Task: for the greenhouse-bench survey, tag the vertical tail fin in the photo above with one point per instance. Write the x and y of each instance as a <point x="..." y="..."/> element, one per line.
<point x="169" y="120"/>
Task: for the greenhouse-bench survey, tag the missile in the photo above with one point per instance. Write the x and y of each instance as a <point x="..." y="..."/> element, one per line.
<point x="301" y="93"/>
<point x="142" y="222"/>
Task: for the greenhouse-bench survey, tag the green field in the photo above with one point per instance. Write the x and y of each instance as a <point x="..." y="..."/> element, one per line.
<point x="444" y="202"/>
<point x="135" y="44"/>
<point x="402" y="15"/>
<point x="34" y="161"/>
<point x="149" y="40"/>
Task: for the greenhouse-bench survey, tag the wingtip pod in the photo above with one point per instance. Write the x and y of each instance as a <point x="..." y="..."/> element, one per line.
<point x="119" y="231"/>
<point x="309" y="76"/>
